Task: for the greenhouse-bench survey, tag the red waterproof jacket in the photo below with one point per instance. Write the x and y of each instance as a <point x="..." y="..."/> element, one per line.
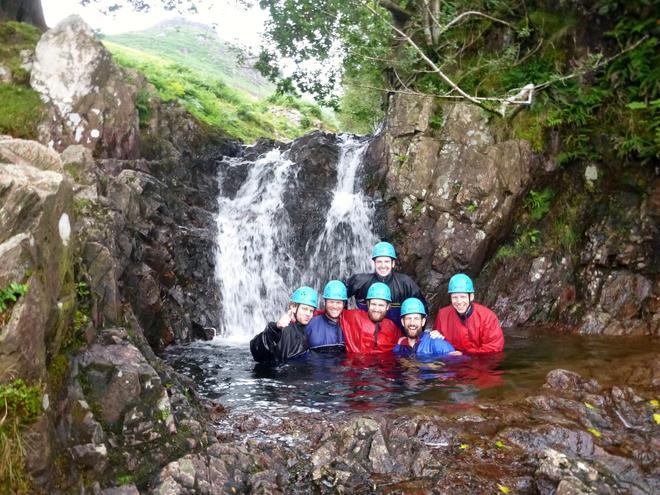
<point x="480" y="333"/>
<point x="360" y="333"/>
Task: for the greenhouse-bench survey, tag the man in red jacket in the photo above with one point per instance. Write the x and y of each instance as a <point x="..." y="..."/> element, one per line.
<point x="468" y="326"/>
<point x="369" y="332"/>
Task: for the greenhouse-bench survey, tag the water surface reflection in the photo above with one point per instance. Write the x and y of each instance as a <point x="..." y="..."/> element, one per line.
<point x="324" y="382"/>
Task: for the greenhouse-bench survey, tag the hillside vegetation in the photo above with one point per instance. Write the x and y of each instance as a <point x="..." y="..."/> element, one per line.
<point x="20" y="106"/>
<point x="197" y="47"/>
<point x="189" y="64"/>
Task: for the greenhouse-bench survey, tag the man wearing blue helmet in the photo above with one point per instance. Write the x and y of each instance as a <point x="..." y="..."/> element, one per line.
<point x="401" y="285"/>
<point x="370" y="332"/>
<point x="286" y="339"/>
<point x="416" y="341"/>
<point x="323" y="332"/>
<point x="470" y="327"/>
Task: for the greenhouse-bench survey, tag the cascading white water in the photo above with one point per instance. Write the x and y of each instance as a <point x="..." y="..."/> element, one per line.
<point x="255" y="272"/>
<point x="344" y="245"/>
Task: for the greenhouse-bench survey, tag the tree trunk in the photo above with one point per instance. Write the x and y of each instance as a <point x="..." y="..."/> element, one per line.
<point x="29" y="11"/>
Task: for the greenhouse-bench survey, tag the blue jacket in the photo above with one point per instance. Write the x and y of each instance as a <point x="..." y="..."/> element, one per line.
<point x="324" y="334"/>
<point x="425" y="347"/>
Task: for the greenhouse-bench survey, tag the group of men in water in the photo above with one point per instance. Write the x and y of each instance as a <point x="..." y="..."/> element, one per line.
<point x="390" y="317"/>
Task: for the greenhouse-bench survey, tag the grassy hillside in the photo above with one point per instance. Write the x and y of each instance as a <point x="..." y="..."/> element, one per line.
<point x="197" y="47"/>
<point x="21" y="108"/>
<point x="185" y="64"/>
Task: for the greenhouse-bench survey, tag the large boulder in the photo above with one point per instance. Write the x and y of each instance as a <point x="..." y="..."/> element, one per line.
<point x="92" y="105"/>
<point x="126" y="391"/>
<point x="449" y="186"/>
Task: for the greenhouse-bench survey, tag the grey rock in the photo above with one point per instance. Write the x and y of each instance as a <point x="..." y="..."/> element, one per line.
<point x="32" y="153"/>
<point x="121" y="490"/>
<point x="92" y="105"/>
<point x="91" y="456"/>
<point x="35" y="239"/>
<point x="453" y="188"/>
<point x="127" y="391"/>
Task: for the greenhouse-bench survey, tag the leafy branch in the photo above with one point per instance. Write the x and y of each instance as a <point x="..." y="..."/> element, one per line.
<point x="521" y="97"/>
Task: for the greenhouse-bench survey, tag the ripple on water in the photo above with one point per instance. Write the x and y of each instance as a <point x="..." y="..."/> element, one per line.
<point x="327" y="383"/>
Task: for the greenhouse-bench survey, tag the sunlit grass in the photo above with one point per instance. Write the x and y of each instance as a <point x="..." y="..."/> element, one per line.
<point x="228" y="110"/>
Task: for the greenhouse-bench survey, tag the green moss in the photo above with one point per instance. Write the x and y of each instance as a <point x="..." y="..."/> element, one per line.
<point x="125" y="479"/>
<point x="527" y="243"/>
<point x="57" y="373"/>
<point x="21" y="110"/>
<point x="530" y="126"/>
<point x="143" y="107"/>
<point x="14" y="37"/>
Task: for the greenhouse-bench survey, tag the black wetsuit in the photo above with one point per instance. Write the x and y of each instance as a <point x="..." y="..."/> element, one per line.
<point x="275" y="345"/>
<point x="400" y="284"/>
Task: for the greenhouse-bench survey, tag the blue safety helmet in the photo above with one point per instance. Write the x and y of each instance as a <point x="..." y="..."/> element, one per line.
<point x="412" y="305"/>
<point x="335" y="289"/>
<point x="460" y="283"/>
<point x="305" y="295"/>
<point x="379" y="290"/>
<point x="383" y="249"/>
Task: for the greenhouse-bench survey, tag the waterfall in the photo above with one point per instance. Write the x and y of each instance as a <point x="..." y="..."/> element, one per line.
<point x="344" y="245"/>
<point x="254" y="269"/>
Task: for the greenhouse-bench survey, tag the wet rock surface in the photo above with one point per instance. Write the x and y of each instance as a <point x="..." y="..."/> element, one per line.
<point x="315" y="156"/>
<point x="574" y="436"/>
<point x="606" y="283"/>
<point x="447" y="191"/>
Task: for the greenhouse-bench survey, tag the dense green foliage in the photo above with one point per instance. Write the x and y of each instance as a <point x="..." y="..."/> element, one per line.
<point x="226" y="109"/>
<point x="595" y="65"/>
<point x="11" y="293"/>
<point x="21" y="109"/>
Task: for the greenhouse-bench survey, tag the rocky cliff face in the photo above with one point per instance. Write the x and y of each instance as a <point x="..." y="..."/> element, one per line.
<point x="116" y="254"/>
<point x="36" y="249"/>
<point x="451" y="194"/>
<point x="448" y="188"/>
